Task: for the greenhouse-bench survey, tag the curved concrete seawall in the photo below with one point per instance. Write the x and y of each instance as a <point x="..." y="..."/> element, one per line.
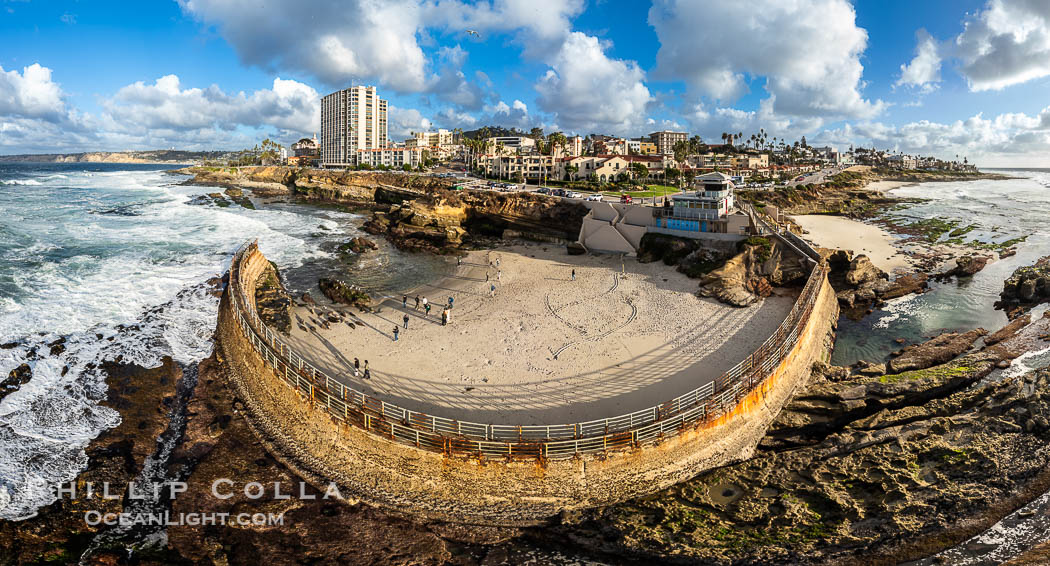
<point x="478" y="488"/>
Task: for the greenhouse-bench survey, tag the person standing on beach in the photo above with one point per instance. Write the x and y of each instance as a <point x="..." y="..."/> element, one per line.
<point x="404" y="301"/>
<point x="368" y="374"/>
<point x="492" y="289"/>
<point x="426" y="307"/>
<point x="574" y="275"/>
<point x="444" y="317"/>
<point x="357" y="367"/>
<point x="450" y="302"/>
<point x="406" y="322"/>
<point x="396" y="330"/>
<point x="425" y="303"/>
<point x="417" y="303"/>
<point x="499" y="275"/>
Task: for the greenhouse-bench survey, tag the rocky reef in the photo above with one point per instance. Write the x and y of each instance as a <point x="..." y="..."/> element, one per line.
<point x="965" y="266"/>
<point x="59" y="533"/>
<point x="860" y="286"/>
<point x="1028" y="286"/>
<point x="339" y="292"/>
<point x="358" y="246"/>
<point x="871" y="469"/>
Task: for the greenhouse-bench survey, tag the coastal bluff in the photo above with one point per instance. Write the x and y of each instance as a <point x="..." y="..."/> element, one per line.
<point x="415" y="212"/>
<point x="305" y="434"/>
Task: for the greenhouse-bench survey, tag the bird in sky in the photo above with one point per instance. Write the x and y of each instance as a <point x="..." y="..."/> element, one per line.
<point x="474" y="33"/>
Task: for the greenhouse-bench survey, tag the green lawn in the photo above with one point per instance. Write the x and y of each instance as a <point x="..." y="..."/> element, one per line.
<point x="654" y="191"/>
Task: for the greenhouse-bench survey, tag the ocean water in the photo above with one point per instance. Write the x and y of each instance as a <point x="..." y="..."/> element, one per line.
<point x="1001" y="210"/>
<point x="113" y="258"/>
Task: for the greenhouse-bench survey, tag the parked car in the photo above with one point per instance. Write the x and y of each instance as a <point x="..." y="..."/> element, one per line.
<point x="626" y="199"/>
<point x="595" y="197"/>
<point x="544" y="190"/>
<point x="573" y="194"/>
<point x="558" y="192"/>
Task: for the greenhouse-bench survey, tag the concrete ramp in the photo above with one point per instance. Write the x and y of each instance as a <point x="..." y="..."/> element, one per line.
<point x="609" y="239"/>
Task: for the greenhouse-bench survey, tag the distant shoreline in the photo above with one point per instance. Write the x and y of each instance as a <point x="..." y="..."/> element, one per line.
<point x="151" y="157"/>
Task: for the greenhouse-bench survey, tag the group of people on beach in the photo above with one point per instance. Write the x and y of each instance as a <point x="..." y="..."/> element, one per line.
<point x="446" y="312"/>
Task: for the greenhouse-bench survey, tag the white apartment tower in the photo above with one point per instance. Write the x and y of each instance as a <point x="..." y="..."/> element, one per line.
<point x="352" y="119"/>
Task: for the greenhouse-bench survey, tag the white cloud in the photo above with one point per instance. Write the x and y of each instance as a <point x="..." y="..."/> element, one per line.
<point x="1005" y="44"/>
<point x="381" y="41"/>
<point x="544" y="22"/>
<point x="31" y="94"/>
<point x="924" y="70"/>
<point x="335" y="41"/>
<point x="808" y="50"/>
<point x="588" y="91"/>
<point x="289" y="105"/>
<point x="401" y="122"/>
<point x="1006" y="139"/>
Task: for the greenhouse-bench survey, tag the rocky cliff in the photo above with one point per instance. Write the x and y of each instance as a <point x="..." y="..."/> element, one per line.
<point x="415" y="212"/>
<point x="751" y="274"/>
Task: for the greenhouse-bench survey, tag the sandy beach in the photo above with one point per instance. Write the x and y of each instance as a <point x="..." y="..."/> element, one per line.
<point x="844" y="233"/>
<point x="883" y="186"/>
<point x="545" y="349"/>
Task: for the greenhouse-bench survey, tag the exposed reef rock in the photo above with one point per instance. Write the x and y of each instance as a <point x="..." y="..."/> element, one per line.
<point x="15" y="379"/>
<point x="861" y="286"/>
<point x="934" y="352"/>
<point x="871" y="469"/>
<point x="339" y="292"/>
<point x="358" y="246"/>
<point x="965" y="266"/>
<point x="220" y="445"/>
<point x="58" y="534"/>
<point x="1028" y="286"/>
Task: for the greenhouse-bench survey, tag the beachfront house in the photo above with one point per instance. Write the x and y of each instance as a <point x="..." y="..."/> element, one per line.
<point x="708" y="208"/>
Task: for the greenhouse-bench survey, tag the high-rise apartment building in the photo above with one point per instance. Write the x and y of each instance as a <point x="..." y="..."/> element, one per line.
<point x="352" y="119"/>
<point x="666" y="139"/>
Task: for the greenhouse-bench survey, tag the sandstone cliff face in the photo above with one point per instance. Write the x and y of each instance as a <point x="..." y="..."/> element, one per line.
<point x="442" y="221"/>
<point x="751" y="274"/>
<point x="416" y="212"/>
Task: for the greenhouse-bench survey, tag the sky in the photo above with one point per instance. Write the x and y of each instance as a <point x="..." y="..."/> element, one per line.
<point x="967" y="78"/>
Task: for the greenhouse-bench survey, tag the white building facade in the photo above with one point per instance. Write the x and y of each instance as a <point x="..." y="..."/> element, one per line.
<point x="352" y="119"/>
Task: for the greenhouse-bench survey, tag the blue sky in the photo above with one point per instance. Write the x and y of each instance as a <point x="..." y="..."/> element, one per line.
<point x="219" y="74"/>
